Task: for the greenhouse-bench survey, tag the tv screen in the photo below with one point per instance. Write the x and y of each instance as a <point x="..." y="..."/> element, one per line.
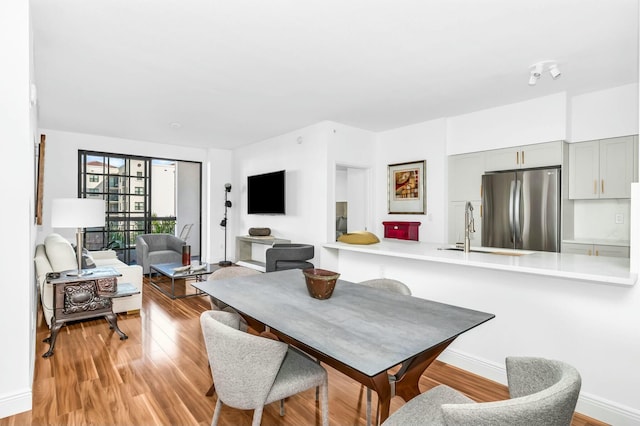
<point x="265" y="193"/>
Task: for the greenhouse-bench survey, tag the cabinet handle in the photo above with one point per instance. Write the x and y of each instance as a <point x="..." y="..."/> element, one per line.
<point x="480" y="210"/>
<point x="589" y="252"/>
<point x="602" y="186"/>
<point x="523" y="158"/>
<point x="595" y="186"/>
<point x="517" y="157"/>
<point x="597" y="254"/>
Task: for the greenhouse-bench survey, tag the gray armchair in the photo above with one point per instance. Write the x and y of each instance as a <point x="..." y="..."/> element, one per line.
<point x="289" y="256"/>
<point x="543" y="393"/>
<point x="252" y="371"/>
<point x="158" y="248"/>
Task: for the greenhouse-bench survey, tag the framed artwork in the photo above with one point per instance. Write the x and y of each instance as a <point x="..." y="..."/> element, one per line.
<point x="40" y="180"/>
<point x="407" y="188"/>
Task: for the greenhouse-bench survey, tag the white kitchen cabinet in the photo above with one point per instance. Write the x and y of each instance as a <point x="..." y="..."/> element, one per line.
<point x="595" y="249"/>
<point x="456" y="222"/>
<point x="465" y="176"/>
<point x="602" y="168"/>
<point x="525" y="156"/>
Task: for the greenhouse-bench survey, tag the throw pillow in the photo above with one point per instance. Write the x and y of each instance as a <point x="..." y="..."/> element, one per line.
<point x="361" y="237"/>
<point x="87" y="260"/>
<point x="60" y="253"/>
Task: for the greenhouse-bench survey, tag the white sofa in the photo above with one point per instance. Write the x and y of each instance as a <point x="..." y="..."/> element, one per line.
<point x="56" y="254"/>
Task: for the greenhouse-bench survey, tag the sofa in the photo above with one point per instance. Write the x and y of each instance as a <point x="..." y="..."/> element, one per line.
<point x="56" y="255"/>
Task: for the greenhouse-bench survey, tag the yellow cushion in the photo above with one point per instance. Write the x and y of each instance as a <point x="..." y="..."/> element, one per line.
<point x="361" y="237"/>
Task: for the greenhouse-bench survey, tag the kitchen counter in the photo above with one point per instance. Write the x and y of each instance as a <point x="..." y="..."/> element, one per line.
<point x="604" y="270"/>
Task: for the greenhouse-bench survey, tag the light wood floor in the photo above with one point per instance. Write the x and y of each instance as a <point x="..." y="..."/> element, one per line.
<point x="159" y="376"/>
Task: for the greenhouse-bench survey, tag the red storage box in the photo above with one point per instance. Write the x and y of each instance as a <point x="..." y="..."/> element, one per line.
<point x="401" y="230"/>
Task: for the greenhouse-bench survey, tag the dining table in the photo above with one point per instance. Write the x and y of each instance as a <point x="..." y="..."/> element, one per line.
<point x="360" y="331"/>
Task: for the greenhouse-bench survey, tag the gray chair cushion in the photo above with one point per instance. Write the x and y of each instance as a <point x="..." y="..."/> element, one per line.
<point x="425" y="409"/>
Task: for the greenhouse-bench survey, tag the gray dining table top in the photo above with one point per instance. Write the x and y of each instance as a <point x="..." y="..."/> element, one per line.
<point x="368" y="329"/>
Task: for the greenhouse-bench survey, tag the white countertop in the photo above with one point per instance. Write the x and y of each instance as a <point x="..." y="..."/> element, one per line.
<point x="606" y="270"/>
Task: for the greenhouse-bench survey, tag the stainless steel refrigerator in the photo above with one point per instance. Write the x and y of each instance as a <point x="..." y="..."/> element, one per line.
<point x="521" y="209"/>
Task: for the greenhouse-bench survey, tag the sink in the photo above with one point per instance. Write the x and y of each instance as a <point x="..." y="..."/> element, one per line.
<point x="485" y="250"/>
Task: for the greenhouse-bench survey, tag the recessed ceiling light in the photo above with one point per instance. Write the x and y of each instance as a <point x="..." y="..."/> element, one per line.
<point x="175" y="125"/>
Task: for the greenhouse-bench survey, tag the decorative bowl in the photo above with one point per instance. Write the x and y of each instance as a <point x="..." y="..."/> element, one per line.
<point x="320" y="282"/>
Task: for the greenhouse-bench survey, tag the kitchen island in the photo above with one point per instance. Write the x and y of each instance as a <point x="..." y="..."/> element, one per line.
<point x="604" y="270"/>
<point x="576" y="308"/>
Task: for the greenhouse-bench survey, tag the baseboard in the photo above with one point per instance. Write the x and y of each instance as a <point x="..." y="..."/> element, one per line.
<point x="589" y="405"/>
<point x="12" y="404"/>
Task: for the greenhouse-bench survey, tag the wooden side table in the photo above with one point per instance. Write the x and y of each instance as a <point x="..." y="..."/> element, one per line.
<point x="83" y="297"/>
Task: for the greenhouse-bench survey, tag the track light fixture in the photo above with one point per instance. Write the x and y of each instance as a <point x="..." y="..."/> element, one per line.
<point x="554" y="71"/>
<point x="537" y="69"/>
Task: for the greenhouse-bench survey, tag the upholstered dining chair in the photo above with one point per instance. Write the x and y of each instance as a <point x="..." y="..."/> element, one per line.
<point x="217" y="305"/>
<point x="542" y="392"/>
<point x="252" y="371"/>
<point x="224" y="273"/>
<point x="394" y="286"/>
<point x="284" y="256"/>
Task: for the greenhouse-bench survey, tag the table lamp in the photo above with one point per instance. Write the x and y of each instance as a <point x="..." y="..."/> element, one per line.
<point x="77" y="213"/>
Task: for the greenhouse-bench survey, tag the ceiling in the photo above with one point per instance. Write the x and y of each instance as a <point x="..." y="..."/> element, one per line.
<point x="227" y="73"/>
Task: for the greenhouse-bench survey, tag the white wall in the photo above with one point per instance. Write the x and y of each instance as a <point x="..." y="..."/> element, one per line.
<point x="302" y="154"/>
<point x="538" y="120"/>
<point x="604" y="114"/>
<point x="216" y="173"/>
<point x="423" y="141"/>
<point x="17" y="119"/>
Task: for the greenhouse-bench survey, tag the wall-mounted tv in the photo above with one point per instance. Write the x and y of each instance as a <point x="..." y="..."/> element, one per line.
<point x="266" y="193"/>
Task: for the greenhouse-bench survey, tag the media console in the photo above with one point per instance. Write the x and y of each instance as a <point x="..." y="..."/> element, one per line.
<point x="244" y="250"/>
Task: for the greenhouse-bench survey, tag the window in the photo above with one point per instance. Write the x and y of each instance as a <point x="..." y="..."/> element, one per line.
<point x="125" y="183"/>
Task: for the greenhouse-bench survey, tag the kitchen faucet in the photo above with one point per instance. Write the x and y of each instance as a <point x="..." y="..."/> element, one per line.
<point x="469" y="226"/>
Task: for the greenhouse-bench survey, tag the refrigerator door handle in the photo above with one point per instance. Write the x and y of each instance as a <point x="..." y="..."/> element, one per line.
<point x="516" y="213"/>
<point x="511" y="209"/>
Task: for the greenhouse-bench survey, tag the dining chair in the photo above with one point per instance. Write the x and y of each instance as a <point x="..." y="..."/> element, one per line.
<point x="394" y="286"/>
<point x="226" y="273"/>
<point x="217" y="305"/>
<point x="542" y="392"/>
<point x="252" y="371"/>
<point x="282" y="256"/>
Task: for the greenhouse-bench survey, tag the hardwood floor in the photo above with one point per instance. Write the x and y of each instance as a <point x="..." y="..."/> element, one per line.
<point x="160" y="375"/>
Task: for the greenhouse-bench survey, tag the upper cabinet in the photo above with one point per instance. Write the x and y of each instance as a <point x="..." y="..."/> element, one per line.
<point x="465" y="176"/>
<point x="525" y="156"/>
<point x="602" y="168"/>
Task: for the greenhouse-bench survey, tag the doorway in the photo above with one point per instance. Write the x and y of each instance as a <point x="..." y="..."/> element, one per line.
<point x="352" y="195"/>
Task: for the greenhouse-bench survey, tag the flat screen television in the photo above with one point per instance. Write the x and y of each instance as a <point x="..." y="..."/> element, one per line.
<point x="266" y="193"/>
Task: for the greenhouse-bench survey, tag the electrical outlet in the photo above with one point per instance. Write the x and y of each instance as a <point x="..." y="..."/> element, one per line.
<point x="619" y="218"/>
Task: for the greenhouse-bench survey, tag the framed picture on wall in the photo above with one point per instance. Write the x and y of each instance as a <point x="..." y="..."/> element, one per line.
<point x="40" y="180"/>
<point x="407" y="188"/>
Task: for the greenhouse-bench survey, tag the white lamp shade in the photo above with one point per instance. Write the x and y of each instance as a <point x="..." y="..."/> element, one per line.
<point x="77" y="213"/>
